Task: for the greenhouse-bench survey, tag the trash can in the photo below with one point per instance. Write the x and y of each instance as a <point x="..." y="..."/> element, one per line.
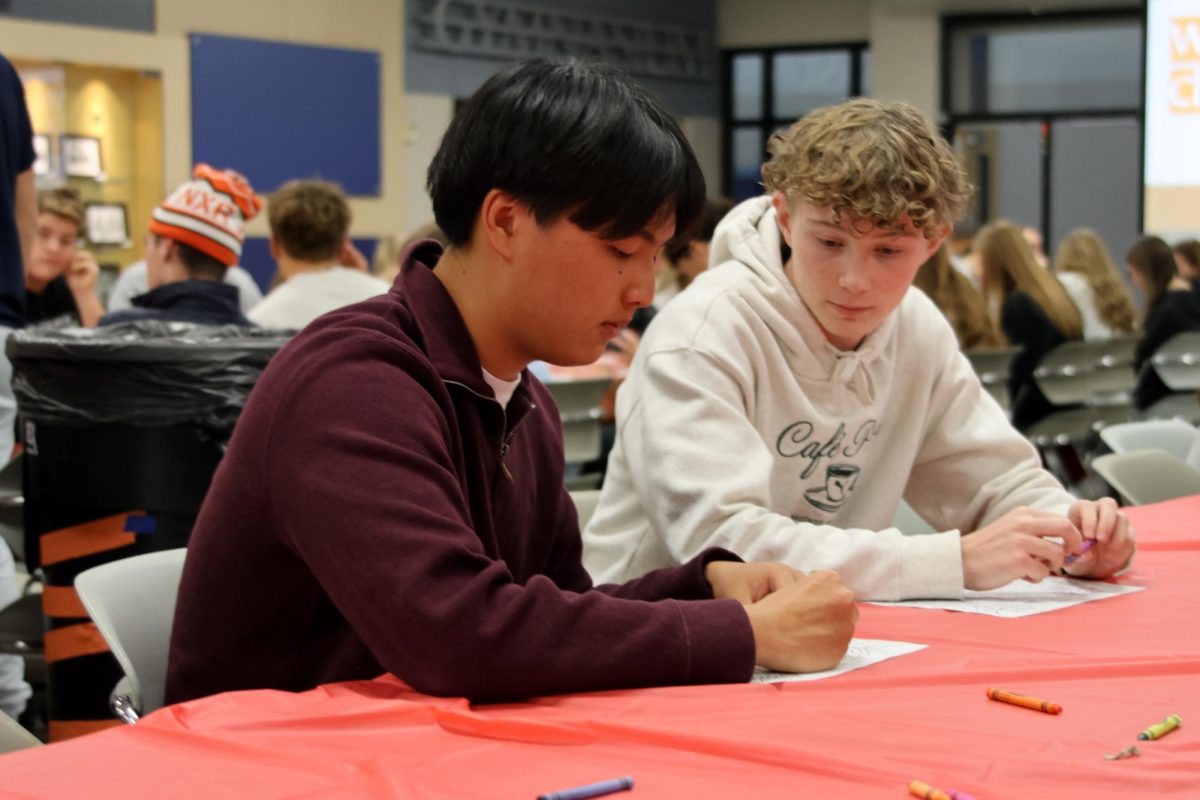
<point x="122" y="430"/>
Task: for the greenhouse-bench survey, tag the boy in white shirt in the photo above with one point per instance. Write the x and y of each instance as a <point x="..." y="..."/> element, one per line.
<point x="800" y="389"/>
<point x="310" y="241"/>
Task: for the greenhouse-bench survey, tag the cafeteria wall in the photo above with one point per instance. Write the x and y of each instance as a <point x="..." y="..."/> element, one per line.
<point x="903" y="36"/>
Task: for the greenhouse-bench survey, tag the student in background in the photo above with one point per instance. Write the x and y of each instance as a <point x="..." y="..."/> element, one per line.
<point x="685" y="257"/>
<point x="958" y="299"/>
<point x="392" y="499"/>
<point x="1187" y="262"/>
<point x="133" y="281"/>
<point x="1086" y="270"/>
<point x="958" y="246"/>
<point x="1034" y="311"/>
<point x="1033" y="237"/>
<point x="195" y="234"/>
<point x="310" y="236"/>
<point x="18" y="221"/>
<point x="683" y="260"/>
<point x="788" y="400"/>
<point x="1171" y="308"/>
<point x="61" y="277"/>
<point x="385" y="263"/>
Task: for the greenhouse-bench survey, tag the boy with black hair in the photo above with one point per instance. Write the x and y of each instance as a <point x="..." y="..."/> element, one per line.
<point x="195" y="235"/>
<point x="786" y="403"/>
<point x="392" y="498"/>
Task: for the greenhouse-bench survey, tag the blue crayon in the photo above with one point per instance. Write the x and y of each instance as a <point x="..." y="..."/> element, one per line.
<point x="591" y="790"/>
<point x="1088" y="544"/>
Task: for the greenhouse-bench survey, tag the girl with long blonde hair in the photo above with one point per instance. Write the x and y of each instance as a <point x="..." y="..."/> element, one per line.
<point x="959" y="301"/>
<point x="1086" y="270"/>
<point x="1032" y="308"/>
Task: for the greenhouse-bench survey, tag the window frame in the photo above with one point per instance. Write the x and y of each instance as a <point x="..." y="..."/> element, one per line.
<point x="767" y="121"/>
<point x="1045" y="117"/>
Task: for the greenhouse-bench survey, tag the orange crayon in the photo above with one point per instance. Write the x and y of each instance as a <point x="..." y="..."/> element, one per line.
<point x="920" y="789"/>
<point x="1024" y="701"/>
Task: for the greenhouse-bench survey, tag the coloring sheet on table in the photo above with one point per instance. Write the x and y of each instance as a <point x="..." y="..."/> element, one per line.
<point x="1023" y="599"/>
<point x="861" y="653"/>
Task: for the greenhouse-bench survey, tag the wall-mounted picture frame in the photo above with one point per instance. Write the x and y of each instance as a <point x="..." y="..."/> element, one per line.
<point x="41" y="155"/>
<point x="81" y="156"/>
<point x="107" y="223"/>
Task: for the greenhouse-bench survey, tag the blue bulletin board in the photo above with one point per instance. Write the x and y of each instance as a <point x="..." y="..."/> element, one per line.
<point x="275" y="111"/>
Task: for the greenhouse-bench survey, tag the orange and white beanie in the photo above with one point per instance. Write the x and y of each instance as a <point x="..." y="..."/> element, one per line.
<point x="209" y="213"/>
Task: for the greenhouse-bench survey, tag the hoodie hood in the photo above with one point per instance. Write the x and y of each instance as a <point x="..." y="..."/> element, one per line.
<point x="746" y="255"/>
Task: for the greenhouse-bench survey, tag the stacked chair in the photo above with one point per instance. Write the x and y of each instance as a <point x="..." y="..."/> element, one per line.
<point x="1178" y="365"/>
<point x="1092" y="381"/>
<point x="1148" y="460"/>
<point x="992" y="365"/>
<point x="579" y="408"/>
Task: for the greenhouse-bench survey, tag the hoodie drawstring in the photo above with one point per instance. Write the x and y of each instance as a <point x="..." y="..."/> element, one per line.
<point x="850" y="371"/>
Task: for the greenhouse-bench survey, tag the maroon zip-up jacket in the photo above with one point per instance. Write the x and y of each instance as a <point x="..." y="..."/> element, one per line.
<point x="378" y="511"/>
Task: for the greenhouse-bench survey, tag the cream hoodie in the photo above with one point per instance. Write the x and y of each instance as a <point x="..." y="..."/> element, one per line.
<point x="740" y="426"/>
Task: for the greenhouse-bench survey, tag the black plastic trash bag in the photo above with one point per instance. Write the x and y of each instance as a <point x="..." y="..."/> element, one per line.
<point x="144" y="373"/>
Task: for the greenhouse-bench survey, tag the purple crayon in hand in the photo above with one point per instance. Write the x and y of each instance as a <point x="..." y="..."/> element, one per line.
<point x="1088" y="544"/>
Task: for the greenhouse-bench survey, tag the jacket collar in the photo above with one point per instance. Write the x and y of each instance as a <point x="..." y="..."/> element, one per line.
<point x="205" y="296"/>
<point x="448" y="343"/>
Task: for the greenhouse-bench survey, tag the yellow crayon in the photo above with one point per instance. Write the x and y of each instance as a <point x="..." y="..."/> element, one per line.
<point x="1161" y="729"/>
<point x="924" y="790"/>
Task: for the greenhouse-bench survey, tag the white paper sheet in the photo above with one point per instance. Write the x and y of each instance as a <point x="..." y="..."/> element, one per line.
<point x="1023" y="599"/>
<point x="861" y="653"/>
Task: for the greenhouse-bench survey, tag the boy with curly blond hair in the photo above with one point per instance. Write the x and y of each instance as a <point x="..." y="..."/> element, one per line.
<point x="799" y="390"/>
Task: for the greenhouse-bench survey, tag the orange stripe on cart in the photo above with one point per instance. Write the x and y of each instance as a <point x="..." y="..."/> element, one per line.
<point x="73" y="641"/>
<point x="97" y="536"/>
<point x="62" y="601"/>
<point x="61" y="730"/>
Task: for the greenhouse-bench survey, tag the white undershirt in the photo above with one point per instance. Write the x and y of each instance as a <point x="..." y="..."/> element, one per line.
<point x="501" y="388"/>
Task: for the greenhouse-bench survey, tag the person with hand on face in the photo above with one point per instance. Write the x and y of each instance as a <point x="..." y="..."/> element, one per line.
<point x="61" y="277"/>
<point x="785" y="404"/>
<point x="320" y="268"/>
<point x="392" y="498"/>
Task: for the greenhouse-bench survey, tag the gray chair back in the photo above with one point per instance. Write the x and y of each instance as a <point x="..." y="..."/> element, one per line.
<point x="1173" y="436"/>
<point x="579" y="408"/>
<point x="1147" y="476"/>
<point x="993" y="365"/>
<point x="1177" y="362"/>
<point x="132" y="602"/>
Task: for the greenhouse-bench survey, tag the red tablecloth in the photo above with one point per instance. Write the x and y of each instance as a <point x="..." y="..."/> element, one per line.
<point x="1116" y="666"/>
